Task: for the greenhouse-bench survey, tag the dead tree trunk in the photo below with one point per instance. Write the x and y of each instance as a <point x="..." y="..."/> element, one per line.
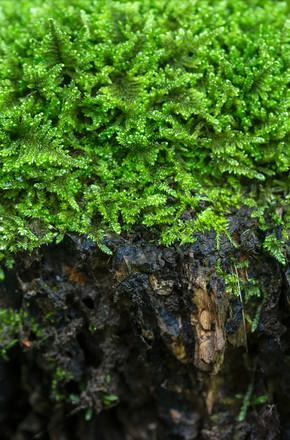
<point x="147" y="344"/>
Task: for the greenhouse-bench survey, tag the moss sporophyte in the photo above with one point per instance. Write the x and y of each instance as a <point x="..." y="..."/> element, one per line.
<point x="116" y="113"/>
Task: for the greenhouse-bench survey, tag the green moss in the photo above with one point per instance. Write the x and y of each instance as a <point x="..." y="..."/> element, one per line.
<point x="115" y="113"/>
<point x="60" y="376"/>
<point x="13" y="326"/>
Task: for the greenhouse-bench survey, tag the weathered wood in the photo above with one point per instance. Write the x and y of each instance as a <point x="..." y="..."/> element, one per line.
<point x="147" y="344"/>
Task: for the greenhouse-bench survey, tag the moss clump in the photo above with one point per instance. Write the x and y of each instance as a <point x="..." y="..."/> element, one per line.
<point x="115" y="113"/>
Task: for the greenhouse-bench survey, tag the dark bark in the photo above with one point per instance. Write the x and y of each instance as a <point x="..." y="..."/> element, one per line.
<point x="148" y="339"/>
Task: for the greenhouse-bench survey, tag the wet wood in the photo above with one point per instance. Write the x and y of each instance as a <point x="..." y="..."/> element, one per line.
<point x="153" y="327"/>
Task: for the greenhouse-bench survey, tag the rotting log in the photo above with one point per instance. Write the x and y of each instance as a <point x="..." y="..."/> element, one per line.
<point x="147" y="344"/>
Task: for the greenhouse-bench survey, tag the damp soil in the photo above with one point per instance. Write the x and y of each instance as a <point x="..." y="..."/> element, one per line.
<point x="146" y="344"/>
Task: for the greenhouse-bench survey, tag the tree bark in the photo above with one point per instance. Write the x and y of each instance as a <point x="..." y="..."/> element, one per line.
<point x="147" y="344"/>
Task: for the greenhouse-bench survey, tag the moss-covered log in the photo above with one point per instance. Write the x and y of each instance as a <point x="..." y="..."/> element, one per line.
<point x="149" y="343"/>
<point x="144" y="186"/>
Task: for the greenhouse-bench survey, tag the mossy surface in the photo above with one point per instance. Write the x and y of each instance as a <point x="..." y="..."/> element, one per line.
<point x="116" y="113"/>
